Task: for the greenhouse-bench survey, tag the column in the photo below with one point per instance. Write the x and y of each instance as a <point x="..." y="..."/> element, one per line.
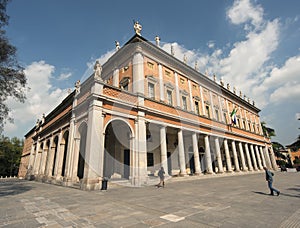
<point x="196" y="154"/>
<point x="36" y="158"/>
<point x="163" y="149"/>
<point x="242" y="157"/>
<point x="181" y="153"/>
<point x="202" y="101"/>
<point x="141" y="150"/>
<point x="138" y="74"/>
<point x="94" y="146"/>
<point x="48" y="157"/>
<point x="262" y="157"/>
<point x="116" y="79"/>
<point x="218" y="154"/>
<point x="43" y="160"/>
<point x="58" y="151"/>
<point x="267" y="157"/>
<point x="273" y="160"/>
<point x="253" y="157"/>
<point x="71" y="140"/>
<point x="191" y="96"/>
<point x="209" y="169"/>
<point x="60" y="157"/>
<point x="177" y="90"/>
<point x="75" y="159"/>
<point x="161" y="83"/>
<point x="258" y="157"/>
<point x="250" y="167"/>
<point x="235" y="157"/>
<point x="227" y="155"/>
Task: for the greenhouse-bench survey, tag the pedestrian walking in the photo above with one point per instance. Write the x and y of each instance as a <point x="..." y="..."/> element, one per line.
<point x="161" y="174"/>
<point x="269" y="179"/>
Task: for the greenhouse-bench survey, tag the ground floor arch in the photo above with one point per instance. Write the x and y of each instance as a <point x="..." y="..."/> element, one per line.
<point x="118" y="150"/>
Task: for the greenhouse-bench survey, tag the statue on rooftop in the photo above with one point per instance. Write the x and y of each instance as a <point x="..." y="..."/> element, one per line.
<point x="97" y="70"/>
<point x="157" y="40"/>
<point x="137" y="28"/>
<point x="117" y="45"/>
<point x="185" y="59"/>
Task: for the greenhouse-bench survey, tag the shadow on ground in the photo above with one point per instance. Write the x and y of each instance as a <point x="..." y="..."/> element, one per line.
<point x="8" y="188"/>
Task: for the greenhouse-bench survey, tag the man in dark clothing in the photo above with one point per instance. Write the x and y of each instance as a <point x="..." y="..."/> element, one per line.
<point x="269" y="178"/>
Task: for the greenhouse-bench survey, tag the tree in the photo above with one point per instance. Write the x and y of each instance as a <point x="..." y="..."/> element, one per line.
<point x="268" y="132"/>
<point x="10" y="155"/>
<point x="12" y="77"/>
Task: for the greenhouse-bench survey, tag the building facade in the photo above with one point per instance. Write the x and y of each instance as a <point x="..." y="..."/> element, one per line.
<point x="141" y="110"/>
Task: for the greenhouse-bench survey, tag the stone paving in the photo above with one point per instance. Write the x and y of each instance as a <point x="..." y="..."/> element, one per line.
<point x="238" y="200"/>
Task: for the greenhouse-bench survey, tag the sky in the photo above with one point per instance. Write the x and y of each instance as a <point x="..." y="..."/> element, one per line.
<point x="252" y="45"/>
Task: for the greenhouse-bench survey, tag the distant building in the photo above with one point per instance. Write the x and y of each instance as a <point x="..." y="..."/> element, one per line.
<point x="141" y="110"/>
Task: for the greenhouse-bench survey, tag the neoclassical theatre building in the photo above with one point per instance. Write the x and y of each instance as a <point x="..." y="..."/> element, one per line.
<point x="141" y="110"/>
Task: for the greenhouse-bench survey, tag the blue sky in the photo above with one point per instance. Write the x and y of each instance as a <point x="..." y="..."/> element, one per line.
<point x="253" y="45"/>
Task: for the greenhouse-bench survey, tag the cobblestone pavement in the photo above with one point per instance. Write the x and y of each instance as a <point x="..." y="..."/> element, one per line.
<point x="230" y="201"/>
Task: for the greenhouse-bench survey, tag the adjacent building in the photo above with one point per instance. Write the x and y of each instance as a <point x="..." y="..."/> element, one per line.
<point x="141" y="110"/>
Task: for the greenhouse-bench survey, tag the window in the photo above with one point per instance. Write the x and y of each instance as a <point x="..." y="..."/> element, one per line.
<point x="151" y="90"/>
<point x="207" y="111"/>
<point x="168" y="73"/>
<point x="169" y="97"/>
<point x="150" y="65"/>
<point x="124" y="83"/>
<point x="182" y="80"/>
<point x="239" y="123"/>
<point x="197" y="107"/>
<point x="150" y="159"/>
<point x="194" y="87"/>
<point x="184" y="104"/>
<point x="249" y="125"/>
<point x="217" y="114"/>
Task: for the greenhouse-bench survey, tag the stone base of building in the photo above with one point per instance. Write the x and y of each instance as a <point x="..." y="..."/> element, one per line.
<point x="90" y="184"/>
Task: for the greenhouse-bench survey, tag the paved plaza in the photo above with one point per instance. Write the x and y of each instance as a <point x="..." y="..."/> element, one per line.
<point x="239" y="200"/>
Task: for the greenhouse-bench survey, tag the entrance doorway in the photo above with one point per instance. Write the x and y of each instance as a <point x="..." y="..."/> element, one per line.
<point x="117" y="158"/>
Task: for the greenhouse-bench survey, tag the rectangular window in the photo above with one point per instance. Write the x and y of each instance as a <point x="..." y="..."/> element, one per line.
<point x="150" y="159"/>
<point x="184" y="104"/>
<point x="217" y="114"/>
<point x="197" y="107"/>
<point x="151" y="90"/>
<point x="169" y="97"/>
<point x="150" y="65"/>
<point x="168" y="73"/>
<point x="207" y="111"/>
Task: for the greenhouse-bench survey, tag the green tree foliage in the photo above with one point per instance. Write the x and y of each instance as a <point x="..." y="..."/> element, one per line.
<point x="268" y="132"/>
<point x="12" y="77"/>
<point x="10" y="155"/>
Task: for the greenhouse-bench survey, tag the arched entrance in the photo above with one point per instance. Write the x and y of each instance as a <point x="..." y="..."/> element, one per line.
<point x="65" y="150"/>
<point x="117" y="156"/>
<point x="81" y="160"/>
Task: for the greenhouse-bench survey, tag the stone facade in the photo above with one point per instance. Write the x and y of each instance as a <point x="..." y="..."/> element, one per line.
<point x="144" y="110"/>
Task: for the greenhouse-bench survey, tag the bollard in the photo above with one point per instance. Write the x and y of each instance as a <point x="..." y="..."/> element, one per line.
<point x="104" y="183"/>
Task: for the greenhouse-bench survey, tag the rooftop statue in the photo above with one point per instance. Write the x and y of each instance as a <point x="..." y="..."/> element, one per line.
<point x="117" y="45"/>
<point x="97" y="69"/>
<point x="137" y="27"/>
<point x="157" y="39"/>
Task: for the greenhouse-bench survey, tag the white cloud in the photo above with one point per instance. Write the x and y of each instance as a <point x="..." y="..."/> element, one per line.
<point x="243" y="11"/>
<point x="290" y="92"/>
<point x="42" y="97"/>
<point x="64" y="76"/>
<point x="211" y="44"/>
<point x="289" y="72"/>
